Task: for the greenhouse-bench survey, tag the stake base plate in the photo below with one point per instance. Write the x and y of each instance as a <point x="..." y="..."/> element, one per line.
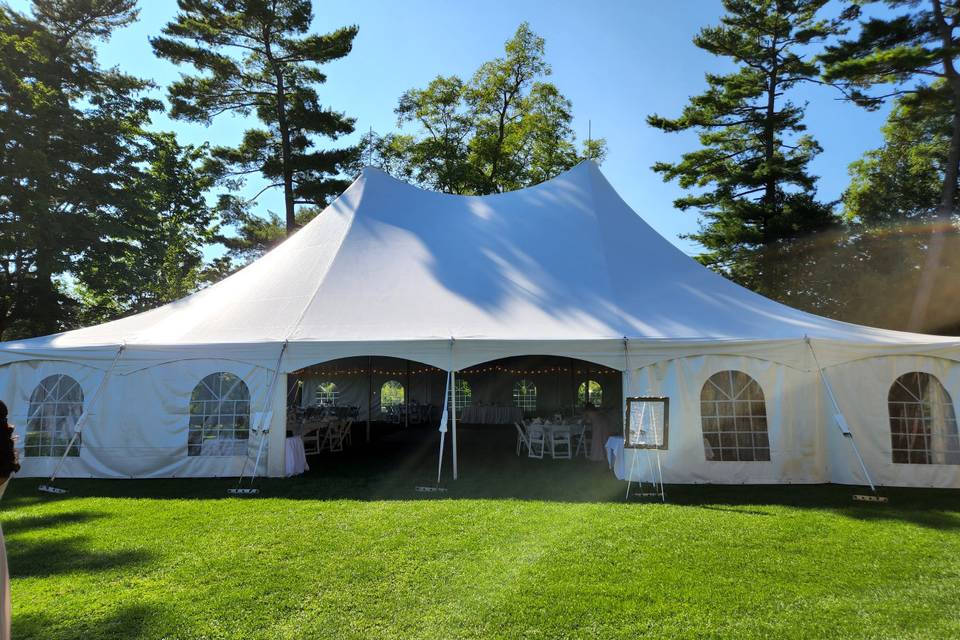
<point x="46" y="488"/>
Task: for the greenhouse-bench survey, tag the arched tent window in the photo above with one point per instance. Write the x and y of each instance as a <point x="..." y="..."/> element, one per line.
<point x="525" y="395"/>
<point x="327" y="394"/>
<point x="56" y="405"/>
<point x="733" y="415"/>
<point x="391" y="395"/>
<point x="923" y="424"/>
<point x="219" y="417"/>
<point x="462" y="394"/>
<point x="590" y="392"/>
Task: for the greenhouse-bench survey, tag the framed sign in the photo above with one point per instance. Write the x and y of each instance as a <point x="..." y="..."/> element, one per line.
<point x="647" y="423"/>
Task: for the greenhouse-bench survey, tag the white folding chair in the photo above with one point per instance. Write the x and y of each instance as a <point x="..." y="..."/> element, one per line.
<point x="560" y="444"/>
<point x="536" y="441"/>
<point x="333" y="441"/>
<point x="311" y="441"/>
<point x="522" y="440"/>
<point x="582" y="435"/>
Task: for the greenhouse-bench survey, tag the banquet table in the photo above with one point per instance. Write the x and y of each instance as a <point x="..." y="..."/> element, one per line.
<point x="295" y="460"/>
<point x="490" y="414"/>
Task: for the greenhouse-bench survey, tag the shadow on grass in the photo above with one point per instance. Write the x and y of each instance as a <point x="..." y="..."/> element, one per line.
<point x="129" y="622"/>
<point x="42" y="558"/>
<point x="54" y="520"/>
<point x="394" y="464"/>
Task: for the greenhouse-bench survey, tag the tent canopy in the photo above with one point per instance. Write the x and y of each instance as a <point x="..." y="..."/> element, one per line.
<point x="564" y="262"/>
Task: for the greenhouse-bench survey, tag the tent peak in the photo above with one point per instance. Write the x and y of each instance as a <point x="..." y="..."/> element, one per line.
<point x="376" y="173"/>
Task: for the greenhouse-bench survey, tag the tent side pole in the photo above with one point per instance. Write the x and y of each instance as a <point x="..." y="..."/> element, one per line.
<point x="838" y="415"/>
<point x="369" y="394"/>
<point x="264" y="431"/>
<point x="406" y="398"/>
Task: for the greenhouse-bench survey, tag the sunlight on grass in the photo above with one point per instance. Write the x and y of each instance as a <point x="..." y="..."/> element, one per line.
<point x="798" y="562"/>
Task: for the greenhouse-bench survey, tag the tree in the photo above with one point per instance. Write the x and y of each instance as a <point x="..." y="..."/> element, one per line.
<point x="504" y="129"/>
<point x="890" y="205"/>
<point x="901" y="182"/>
<point x="254" y="57"/>
<point x="909" y="54"/>
<point x="69" y="145"/>
<point x="750" y="180"/>
<point x="158" y="252"/>
<point x="255" y="235"/>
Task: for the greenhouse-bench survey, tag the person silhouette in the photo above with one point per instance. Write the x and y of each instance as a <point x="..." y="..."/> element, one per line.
<point x="8" y="466"/>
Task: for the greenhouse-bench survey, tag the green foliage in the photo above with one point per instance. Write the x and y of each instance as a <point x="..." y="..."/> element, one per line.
<point x="253" y="236"/>
<point x="391" y="394"/>
<point x="590" y="392"/>
<point x="504" y="129"/>
<point x="749" y="181"/>
<point x="256" y="57"/>
<point x="166" y="225"/>
<point x="891" y="210"/>
<point x="70" y="142"/>
<point x="913" y="54"/>
<point x="901" y="181"/>
<point x="893" y="51"/>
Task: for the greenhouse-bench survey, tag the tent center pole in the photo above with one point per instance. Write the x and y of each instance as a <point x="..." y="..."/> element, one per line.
<point x="369" y="394"/>
<point x="453" y="420"/>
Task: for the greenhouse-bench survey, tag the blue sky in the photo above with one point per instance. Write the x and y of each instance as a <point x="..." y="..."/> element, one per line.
<point x="617" y="60"/>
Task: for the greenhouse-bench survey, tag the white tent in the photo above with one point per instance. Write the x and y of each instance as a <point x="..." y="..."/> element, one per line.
<point x="565" y="268"/>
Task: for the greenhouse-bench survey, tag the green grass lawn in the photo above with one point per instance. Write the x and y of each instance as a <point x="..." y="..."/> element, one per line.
<point x="515" y="549"/>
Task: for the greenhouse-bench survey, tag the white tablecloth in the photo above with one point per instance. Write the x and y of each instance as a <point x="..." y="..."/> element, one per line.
<point x="295" y="457"/>
<point x="614" y="447"/>
<point x="490" y="414"/>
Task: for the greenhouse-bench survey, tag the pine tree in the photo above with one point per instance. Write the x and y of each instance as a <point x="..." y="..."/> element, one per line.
<point x="750" y="181"/>
<point x="893" y="197"/>
<point x="69" y="149"/>
<point x="257" y="57"/>
<point x="901" y="182"/>
<point x="907" y="55"/>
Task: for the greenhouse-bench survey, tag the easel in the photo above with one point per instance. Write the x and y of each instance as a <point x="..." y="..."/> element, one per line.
<point x="646" y="436"/>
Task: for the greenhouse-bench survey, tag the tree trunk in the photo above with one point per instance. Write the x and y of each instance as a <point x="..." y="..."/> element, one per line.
<point x="285" y="155"/>
<point x="948" y="193"/>
<point x="770" y="191"/>
<point x="46" y="294"/>
<point x="940" y="226"/>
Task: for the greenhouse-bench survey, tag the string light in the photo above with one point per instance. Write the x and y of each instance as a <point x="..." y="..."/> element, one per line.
<point x="466" y="372"/>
